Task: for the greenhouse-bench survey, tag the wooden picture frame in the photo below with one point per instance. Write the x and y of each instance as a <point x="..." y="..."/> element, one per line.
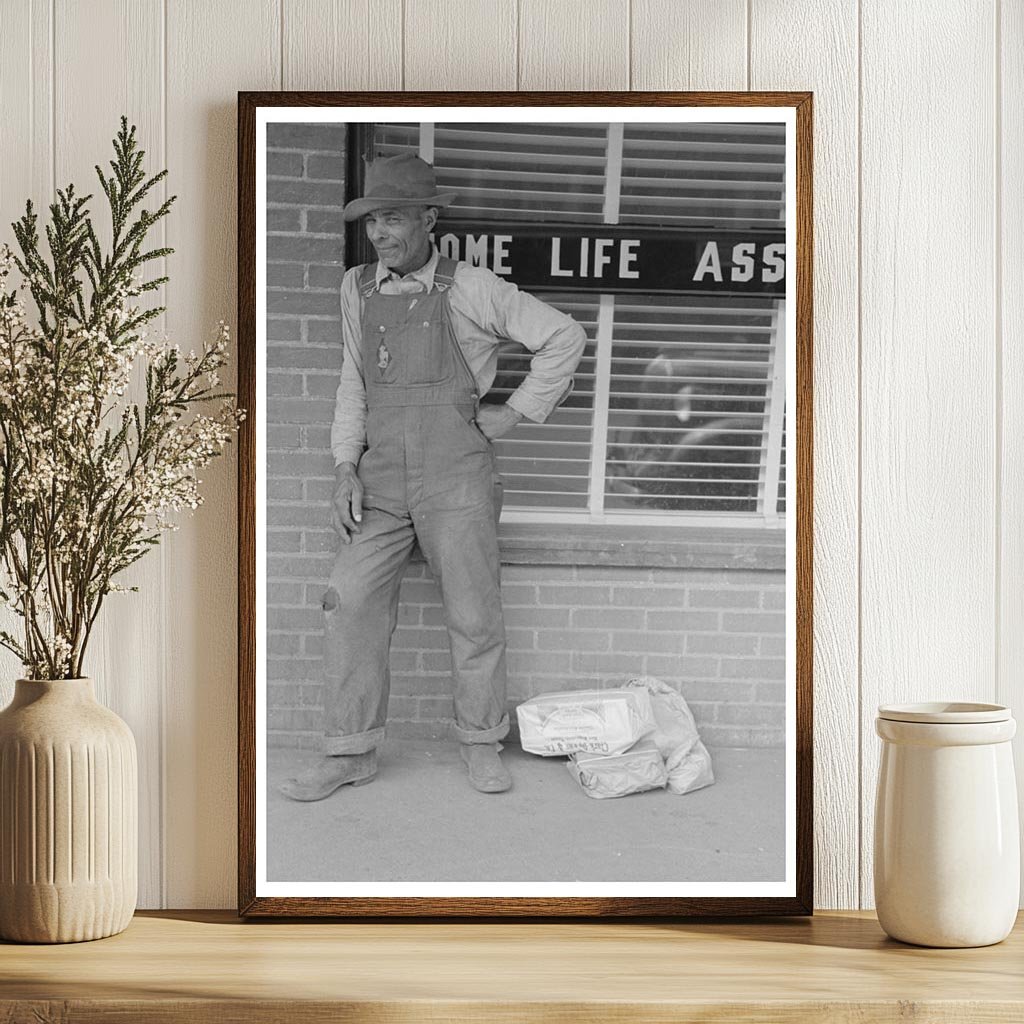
<point x="793" y="894"/>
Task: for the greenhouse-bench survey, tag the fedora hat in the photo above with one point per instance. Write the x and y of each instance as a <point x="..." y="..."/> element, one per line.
<point x="403" y="180"/>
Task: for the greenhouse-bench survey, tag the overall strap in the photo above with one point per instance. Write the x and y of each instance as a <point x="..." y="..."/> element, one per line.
<point x="444" y="273"/>
<point x="368" y="280"/>
<point x="444" y="278"/>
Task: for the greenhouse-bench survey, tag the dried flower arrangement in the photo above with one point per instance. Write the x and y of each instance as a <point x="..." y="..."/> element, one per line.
<point x="90" y="478"/>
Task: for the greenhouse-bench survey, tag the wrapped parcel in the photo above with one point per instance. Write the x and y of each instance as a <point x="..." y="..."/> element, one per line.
<point x="603" y="776"/>
<point x="585" y="721"/>
<point x="687" y="760"/>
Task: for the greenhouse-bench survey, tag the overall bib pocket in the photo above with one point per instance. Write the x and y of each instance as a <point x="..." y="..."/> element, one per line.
<point x="426" y="352"/>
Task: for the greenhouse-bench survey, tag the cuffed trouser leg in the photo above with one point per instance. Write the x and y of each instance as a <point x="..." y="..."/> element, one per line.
<point x="499" y="732"/>
<point x="461" y="548"/>
<point x="360" y="614"/>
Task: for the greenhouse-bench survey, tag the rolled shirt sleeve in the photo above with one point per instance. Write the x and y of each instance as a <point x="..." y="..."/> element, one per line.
<point x="348" y="432"/>
<point x="499" y="308"/>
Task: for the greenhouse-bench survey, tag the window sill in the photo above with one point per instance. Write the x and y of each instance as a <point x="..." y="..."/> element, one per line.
<point x="676" y="547"/>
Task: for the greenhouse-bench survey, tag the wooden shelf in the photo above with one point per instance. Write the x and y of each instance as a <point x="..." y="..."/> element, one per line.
<point x="209" y="967"/>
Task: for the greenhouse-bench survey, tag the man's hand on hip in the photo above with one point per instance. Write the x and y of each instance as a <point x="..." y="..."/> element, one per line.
<point x="348" y="501"/>
<point x="496" y="420"/>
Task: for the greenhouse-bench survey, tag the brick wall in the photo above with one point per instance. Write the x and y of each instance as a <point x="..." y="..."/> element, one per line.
<point x="719" y="635"/>
<point x="305" y="264"/>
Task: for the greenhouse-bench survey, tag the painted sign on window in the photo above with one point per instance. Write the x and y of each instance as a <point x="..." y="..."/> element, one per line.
<point x="623" y="259"/>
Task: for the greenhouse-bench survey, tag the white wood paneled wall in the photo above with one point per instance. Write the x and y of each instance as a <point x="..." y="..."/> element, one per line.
<point x="919" y="325"/>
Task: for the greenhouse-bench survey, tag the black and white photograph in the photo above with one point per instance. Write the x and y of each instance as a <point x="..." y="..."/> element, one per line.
<point x="524" y="464"/>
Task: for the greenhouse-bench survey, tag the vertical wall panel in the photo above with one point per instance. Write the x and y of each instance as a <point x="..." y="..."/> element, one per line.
<point x="342" y="44"/>
<point x="122" y="656"/>
<point x="689" y="44"/>
<point x="573" y="44"/>
<point x="928" y="343"/>
<point x="470" y="45"/>
<point x="213" y="51"/>
<point x="1010" y="227"/>
<point x="26" y="100"/>
<point x="781" y="59"/>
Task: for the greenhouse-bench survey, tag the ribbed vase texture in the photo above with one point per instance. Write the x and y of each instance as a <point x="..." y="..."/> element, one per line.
<point x="68" y="815"/>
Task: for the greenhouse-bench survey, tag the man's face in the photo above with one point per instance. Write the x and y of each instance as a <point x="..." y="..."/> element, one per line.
<point x="401" y="236"/>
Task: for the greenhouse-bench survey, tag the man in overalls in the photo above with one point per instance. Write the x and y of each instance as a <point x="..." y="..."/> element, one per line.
<point x="414" y="462"/>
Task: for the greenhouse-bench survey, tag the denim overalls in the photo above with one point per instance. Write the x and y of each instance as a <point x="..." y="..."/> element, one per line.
<point x="428" y="475"/>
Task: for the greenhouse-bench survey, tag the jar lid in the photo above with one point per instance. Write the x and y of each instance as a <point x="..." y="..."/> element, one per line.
<point x="945" y="713"/>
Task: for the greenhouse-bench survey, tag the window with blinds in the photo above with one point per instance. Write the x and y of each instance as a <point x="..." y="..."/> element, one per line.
<point x="526" y="172"/>
<point x="690" y="392"/>
<point x="730" y="175"/>
<point x="678" y="408"/>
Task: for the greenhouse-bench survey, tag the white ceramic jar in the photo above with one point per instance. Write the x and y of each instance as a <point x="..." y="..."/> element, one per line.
<point x="947" y="846"/>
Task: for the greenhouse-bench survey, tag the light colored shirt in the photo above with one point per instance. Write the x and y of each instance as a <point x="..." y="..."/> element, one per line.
<point x="485" y="310"/>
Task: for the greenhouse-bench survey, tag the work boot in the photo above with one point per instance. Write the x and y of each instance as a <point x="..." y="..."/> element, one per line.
<point x="486" y="772"/>
<point x="329" y="774"/>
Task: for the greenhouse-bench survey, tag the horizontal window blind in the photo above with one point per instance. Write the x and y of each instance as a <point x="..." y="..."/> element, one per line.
<point x="530" y="172"/>
<point x="728" y="176"/>
<point x="688" y="403"/>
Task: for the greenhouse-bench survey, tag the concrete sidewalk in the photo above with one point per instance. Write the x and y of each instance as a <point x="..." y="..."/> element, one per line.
<point x="420" y="820"/>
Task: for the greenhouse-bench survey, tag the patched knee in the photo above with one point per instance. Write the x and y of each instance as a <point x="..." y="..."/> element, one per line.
<point x="344" y="602"/>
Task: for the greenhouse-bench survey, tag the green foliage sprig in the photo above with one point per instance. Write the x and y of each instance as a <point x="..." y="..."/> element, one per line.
<point x="89" y="478"/>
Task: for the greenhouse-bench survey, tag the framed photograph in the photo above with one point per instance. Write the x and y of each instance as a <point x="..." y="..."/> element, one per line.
<point x="525" y="501"/>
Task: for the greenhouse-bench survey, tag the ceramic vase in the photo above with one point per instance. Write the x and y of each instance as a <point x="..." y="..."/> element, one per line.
<point x="68" y="815"/>
<point x="947" y="846"/>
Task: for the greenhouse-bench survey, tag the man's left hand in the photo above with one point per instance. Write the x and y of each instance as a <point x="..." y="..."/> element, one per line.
<point x="496" y="420"/>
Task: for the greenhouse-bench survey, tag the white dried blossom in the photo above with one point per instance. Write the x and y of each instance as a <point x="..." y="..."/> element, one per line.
<point x="87" y="482"/>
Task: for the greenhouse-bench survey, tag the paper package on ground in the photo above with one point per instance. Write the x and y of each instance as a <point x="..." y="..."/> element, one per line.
<point x="587" y="721"/>
<point x="675" y="734"/>
<point x="603" y="776"/>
